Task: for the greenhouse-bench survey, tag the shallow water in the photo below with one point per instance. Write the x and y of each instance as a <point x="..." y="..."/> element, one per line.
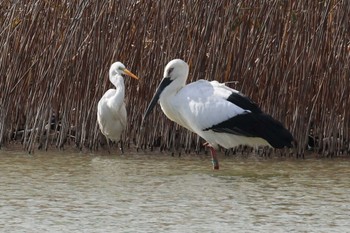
<point x="75" y="192"/>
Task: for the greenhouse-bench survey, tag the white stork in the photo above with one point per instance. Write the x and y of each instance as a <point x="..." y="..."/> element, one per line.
<point x="111" y="112"/>
<point x="217" y="113"/>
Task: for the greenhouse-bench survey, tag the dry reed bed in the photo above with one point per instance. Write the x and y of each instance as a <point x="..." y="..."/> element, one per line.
<point x="292" y="57"/>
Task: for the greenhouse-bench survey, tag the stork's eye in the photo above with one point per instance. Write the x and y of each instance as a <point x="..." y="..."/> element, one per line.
<point x="170" y="70"/>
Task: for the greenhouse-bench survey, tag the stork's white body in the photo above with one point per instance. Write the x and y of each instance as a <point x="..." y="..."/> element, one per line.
<point x="202" y="104"/>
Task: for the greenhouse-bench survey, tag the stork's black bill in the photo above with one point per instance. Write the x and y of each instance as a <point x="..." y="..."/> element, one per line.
<point x="165" y="82"/>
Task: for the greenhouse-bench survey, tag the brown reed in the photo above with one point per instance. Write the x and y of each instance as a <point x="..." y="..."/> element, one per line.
<point x="291" y="57"/>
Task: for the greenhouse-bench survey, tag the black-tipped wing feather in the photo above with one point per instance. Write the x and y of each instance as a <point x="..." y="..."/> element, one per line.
<point x="256" y="125"/>
<point x="243" y="102"/>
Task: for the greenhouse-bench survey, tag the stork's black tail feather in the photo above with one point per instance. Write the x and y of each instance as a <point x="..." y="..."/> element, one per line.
<point x="274" y="132"/>
<point x="257" y="125"/>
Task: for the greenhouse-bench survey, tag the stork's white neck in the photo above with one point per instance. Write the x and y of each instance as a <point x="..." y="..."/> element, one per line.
<point x="173" y="88"/>
<point x="169" y="101"/>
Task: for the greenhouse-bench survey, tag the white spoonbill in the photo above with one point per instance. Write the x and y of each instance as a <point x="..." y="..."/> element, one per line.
<point x="217" y="113"/>
<point x="111" y="112"/>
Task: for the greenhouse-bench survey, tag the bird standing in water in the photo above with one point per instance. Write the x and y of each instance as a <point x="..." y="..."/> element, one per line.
<point x="111" y="111"/>
<point x="219" y="114"/>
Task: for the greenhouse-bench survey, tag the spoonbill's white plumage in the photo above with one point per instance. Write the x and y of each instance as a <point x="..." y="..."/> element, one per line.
<point x="111" y="112"/>
<point x="219" y="114"/>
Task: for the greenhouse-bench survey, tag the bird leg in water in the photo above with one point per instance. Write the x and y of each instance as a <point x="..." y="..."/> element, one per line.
<point x="108" y="145"/>
<point x="214" y="157"/>
<point x="121" y="148"/>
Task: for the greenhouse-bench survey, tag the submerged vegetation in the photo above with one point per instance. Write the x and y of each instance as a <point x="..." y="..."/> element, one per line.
<point x="291" y="57"/>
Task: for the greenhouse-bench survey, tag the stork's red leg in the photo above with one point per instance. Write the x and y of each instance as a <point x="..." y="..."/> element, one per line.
<point x="214" y="157"/>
